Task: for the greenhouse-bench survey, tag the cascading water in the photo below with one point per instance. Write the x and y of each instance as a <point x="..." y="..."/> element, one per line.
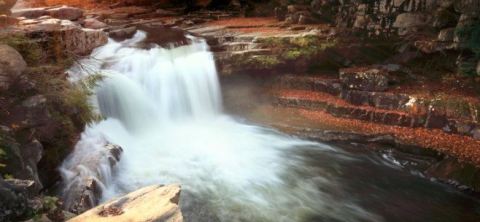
<point x="163" y="107"/>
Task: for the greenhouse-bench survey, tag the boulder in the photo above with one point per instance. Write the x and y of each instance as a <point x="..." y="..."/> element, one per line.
<point x="446" y="35"/>
<point x="407" y="22"/>
<point x="66" y="13"/>
<point x="152" y="203"/>
<point x="476" y="133"/>
<point x="93" y="23"/>
<point x="11" y="66"/>
<point x="13" y="201"/>
<point x="122" y="34"/>
<point x="365" y="79"/>
<point x="6" y="5"/>
<point x="68" y="36"/>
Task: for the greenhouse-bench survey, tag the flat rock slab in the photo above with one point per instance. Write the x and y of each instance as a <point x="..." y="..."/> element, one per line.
<point x="153" y="203"/>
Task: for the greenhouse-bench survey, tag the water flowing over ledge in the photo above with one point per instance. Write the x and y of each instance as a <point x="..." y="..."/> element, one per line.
<point x="163" y="106"/>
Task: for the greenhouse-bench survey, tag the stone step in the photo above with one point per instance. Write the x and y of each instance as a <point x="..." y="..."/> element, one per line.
<point x="335" y="87"/>
<point x="336" y="106"/>
<point x="340" y="108"/>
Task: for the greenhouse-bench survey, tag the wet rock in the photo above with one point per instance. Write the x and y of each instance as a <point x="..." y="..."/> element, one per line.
<point x="85" y="175"/>
<point x="11" y="66"/>
<point x="364" y="79"/>
<point x="408" y="22"/>
<point x="93" y="23"/>
<point x="476" y="133"/>
<point x="153" y="203"/>
<point x="66" y="13"/>
<point x="122" y="34"/>
<point x="13" y="201"/>
<point x="87" y="194"/>
<point x="457" y="173"/>
<point x="6" y="5"/>
<point x="446" y="35"/>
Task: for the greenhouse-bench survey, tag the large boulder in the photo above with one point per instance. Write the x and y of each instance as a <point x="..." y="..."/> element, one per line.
<point x="11" y="66"/>
<point x="154" y="203"/>
<point x="64" y="35"/>
<point x="365" y="79"/>
<point x="6" y="5"/>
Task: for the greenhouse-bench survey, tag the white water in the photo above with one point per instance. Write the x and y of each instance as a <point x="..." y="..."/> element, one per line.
<point x="163" y="106"/>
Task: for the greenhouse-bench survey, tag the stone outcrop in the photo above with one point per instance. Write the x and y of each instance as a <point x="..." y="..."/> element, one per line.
<point x="340" y="99"/>
<point x="11" y="66"/>
<point x="84" y="173"/>
<point x="154" y="203"/>
<point x="64" y="13"/>
<point x="13" y="199"/>
<point x="60" y="38"/>
<point x="6" y="5"/>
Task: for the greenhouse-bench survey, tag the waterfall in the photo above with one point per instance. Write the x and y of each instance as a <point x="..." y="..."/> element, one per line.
<point x="163" y="107"/>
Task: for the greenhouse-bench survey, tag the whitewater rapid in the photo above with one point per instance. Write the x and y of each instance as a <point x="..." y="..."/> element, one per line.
<point x="164" y="108"/>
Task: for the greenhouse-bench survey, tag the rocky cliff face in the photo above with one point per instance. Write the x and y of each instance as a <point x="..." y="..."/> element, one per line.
<point x="430" y="26"/>
<point x="42" y="114"/>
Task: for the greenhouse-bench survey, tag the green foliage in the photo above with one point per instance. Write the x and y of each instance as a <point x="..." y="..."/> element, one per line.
<point x="65" y="97"/>
<point x="257" y="62"/>
<point x="50" y="203"/>
<point x="31" y="51"/>
<point x="287" y="49"/>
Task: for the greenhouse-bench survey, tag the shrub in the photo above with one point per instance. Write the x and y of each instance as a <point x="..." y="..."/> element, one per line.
<point x="31" y="51"/>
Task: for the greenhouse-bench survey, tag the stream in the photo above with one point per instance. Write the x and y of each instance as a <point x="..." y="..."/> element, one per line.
<point x="164" y="108"/>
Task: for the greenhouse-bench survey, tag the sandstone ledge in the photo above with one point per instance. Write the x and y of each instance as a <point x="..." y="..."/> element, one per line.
<point x="152" y="203"/>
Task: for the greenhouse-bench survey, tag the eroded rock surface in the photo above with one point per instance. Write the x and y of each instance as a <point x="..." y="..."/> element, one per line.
<point x="86" y="172"/>
<point x="154" y="203"/>
<point x="11" y="66"/>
